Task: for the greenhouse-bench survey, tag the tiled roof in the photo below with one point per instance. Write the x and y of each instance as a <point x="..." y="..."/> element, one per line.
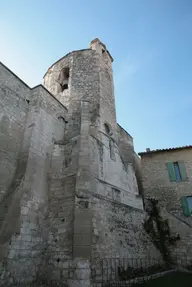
<point x="164" y="150"/>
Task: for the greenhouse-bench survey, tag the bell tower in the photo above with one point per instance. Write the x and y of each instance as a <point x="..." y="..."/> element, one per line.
<point x="93" y="158"/>
<point x="85" y="75"/>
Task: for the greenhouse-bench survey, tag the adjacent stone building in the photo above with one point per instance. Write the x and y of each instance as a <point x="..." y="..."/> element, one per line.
<point x="69" y="175"/>
<point x="167" y="177"/>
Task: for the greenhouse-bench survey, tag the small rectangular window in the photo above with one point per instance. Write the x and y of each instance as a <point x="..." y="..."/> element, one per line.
<point x="177" y="171"/>
<point x="116" y="194"/>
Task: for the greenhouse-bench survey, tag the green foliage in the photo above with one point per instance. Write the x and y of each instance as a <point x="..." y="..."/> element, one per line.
<point x="173" y="279"/>
<point x="158" y="229"/>
<point x="131" y="273"/>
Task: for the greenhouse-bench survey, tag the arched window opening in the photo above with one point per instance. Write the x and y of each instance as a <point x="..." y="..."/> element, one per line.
<point x="63" y="78"/>
<point x="107" y="128"/>
<point x="64" y="87"/>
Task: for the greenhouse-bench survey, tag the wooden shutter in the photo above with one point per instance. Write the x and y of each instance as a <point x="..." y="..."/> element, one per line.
<point x="171" y="170"/>
<point x="185" y="206"/>
<point x="182" y="170"/>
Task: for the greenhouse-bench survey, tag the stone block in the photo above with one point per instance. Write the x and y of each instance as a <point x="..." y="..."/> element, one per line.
<point x="82" y="239"/>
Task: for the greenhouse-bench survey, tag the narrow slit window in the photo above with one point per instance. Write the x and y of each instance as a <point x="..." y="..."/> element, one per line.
<point x="107" y="128"/>
<point x="112" y="149"/>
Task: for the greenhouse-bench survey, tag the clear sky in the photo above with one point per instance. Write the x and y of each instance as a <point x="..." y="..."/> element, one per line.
<point x="150" y="41"/>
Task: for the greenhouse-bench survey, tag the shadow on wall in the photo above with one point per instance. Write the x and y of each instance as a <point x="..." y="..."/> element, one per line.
<point x="10" y="204"/>
<point x="4" y="125"/>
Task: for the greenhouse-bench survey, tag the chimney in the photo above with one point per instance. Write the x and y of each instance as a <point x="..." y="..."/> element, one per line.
<point x="148" y="149"/>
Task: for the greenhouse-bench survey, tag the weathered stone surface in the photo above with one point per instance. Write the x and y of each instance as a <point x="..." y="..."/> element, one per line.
<point x="157" y="184"/>
<point x="68" y="186"/>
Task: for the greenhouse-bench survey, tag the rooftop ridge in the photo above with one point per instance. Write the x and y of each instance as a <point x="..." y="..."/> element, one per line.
<point x="166" y="149"/>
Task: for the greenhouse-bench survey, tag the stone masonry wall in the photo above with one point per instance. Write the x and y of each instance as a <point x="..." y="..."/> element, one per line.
<point x="111" y="171"/>
<point x="107" y="101"/>
<point x="14" y="106"/>
<point x="118" y="214"/>
<point x="138" y="172"/>
<point x="156" y="184"/>
<point x="118" y="231"/>
<point x="83" y="84"/>
<point x="24" y="232"/>
<point x="74" y="192"/>
<point x="126" y="148"/>
<point x="105" y="175"/>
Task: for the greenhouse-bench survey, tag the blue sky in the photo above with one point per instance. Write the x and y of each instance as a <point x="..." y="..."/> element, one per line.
<point x="150" y="41"/>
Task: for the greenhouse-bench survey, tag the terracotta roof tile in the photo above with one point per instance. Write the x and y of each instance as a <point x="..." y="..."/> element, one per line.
<point x="165" y="150"/>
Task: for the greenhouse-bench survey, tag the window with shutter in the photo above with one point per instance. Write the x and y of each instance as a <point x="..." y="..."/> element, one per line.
<point x="187" y="205"/>
<point x="189" y="201"/>
<point x="182" y="170"/>
<point x="171" y="171"/>
<point x="177" y="171"/>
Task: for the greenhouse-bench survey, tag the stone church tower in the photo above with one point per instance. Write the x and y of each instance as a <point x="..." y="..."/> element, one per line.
<point x="69" y="192"/>
<point x="95" y="154"/>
